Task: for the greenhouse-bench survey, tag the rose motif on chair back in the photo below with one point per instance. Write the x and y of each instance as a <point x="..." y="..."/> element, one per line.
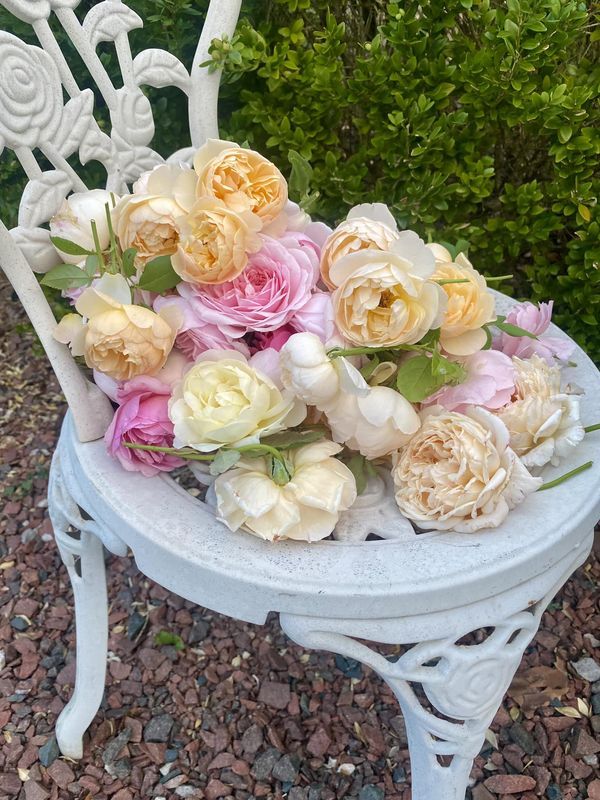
<point x="30" y="93"/>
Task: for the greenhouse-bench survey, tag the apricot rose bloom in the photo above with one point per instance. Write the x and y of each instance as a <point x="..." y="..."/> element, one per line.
<point x="307" y="508"/>
<point x="387" y="298"/>
<point x="369" y="226"/>
<point x="242" y="179"/>
<point x="119" y="339"/>
<point x="542" y="420"/>
<point x="149" y="223"/>
<point x="215" y="243"/>
<point x="222" y="400"/>
<point x="459" y="473"/>
<point x="470" y="304"/>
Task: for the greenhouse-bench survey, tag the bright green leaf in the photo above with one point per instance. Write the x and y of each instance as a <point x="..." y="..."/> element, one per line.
<point x="159" y="276"/>
<point x="66" y="276"/>
<point x="70" y="248"/>
<point x="224" y="460"/>
<point x="128" y="262"/>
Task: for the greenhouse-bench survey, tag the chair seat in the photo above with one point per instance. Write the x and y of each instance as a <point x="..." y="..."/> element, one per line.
<point x="177" y="541"/>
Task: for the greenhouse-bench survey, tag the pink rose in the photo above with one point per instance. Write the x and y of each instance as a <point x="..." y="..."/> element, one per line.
<point x="142" y="418"/>
<point x="536" y="320"/>
<point x="275" y="285"/>
<point x="271" y="340"/>
<point x="196" y="335"/>
<point x="317" y="317"/>
<point x="490" y="383"/>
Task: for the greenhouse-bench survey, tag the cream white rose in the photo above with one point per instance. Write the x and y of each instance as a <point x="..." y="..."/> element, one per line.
<point x="307" y="508"/>
<point x="459" y="473"/>
<point x="73" y="221"/>
<point x="386" y="298"/>
<point x="470" y="304"/>
<point x="543" y="421"/>
<point x="373" y="420"/>
<point x="369" y="226"/>
<point x="222" y="400"/>
<point x="175" y="181"/>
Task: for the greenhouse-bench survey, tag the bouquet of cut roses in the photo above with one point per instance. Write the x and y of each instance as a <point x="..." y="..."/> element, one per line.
<point x="291" y="364"/>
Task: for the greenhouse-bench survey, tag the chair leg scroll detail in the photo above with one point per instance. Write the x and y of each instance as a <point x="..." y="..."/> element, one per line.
<point x="82" y="553"/>
<point x="463" y="685"/>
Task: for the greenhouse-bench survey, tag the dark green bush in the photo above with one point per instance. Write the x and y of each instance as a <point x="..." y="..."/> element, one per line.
<point x="474" y="120"/>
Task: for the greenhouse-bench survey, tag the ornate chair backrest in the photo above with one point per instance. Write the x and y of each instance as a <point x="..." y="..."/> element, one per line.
<point x="36" y="118"/>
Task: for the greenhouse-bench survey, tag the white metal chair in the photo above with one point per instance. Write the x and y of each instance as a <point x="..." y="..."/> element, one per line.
<point x="431" y="589"/>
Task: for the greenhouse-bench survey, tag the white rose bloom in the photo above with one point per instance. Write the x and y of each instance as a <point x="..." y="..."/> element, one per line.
<point x="373" y="420"/>
<point x="307" y="508"/>
<point x="459" y="473"/>
<point x="543" y="422"/>
<point x="73" y="221"/>
<point x="222" y="400"/>
<point x="172" y="181"/>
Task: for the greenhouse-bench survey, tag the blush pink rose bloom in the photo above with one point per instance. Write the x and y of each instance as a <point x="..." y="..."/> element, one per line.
<point x="274" y="287"/>
<point x="142" y="418"/>
<point x="536" y="320"/>
<point x="490" y="383"/>
<point x="196" y="335"/>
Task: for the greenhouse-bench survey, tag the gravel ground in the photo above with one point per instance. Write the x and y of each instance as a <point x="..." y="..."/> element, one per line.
<point x="229" y="710"/>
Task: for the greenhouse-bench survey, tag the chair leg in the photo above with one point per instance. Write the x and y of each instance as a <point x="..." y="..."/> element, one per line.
<point x="82" y="552"/>
<point x="463" y="684"/>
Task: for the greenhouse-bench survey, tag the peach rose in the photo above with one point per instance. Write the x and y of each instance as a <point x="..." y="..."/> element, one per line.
<point x="369" y="226"/>
<point x="119" y="339"/>
<point x="215" y="242"/>
<point x="470" y="305"/>
<point x="458" y="472"/>
<point x="148" y="223"/>
<point x="386" y="298"/>
<point x="241" y="178"/>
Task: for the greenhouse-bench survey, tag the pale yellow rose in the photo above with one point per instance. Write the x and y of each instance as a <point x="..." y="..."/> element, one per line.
<point x="459" y="473"/>
<point x="470" y="305"/>
<point x="241" y="178"/>
<point x="222" y="400"/>
<point x="215" y="242"/>
<point x="386" y="298"/>
<point x="175" y="181"/>
<point x="73" y="221"/>
<point x="307" y="508"/>
<point x="542" y="420"/>
<point x="369" y="226"/>
<point x="119" y="339"/>
<point x="149" y="223"/>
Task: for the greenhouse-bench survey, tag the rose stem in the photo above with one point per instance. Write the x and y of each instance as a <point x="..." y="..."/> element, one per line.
<point x="565" y="477"/>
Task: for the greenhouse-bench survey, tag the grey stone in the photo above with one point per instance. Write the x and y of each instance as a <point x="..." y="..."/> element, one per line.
<point x="285" y="770"/>
<point x="19" y="624"/>
<point x="596" y="703"/>
<point x="187" y="791"/>
<point x="522" y="737"/>
<point x="296" y="793"/>
<point x="158" y="729"/>
<point x="199" y="631"/>
<point x="399" y="775"/>
<point x="264" y="763"/>
<point x="114" y="747"/>
<point x="370" y="792"/>
<point x="49" y="752"/>
<point x="595" y="723"/>
<point x="591" y="761"/>
<point x="135" y="625"/>
<point x="553" y="792"/>
<point x="596" y="687"/>
<point x="587" y="668"/>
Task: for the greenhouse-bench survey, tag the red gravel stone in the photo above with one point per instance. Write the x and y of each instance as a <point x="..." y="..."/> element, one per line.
<point x="61" y="773"/>
<point x="276" y="695"/>
<point x="593" y="790"/>
<point x="509" y="784"/>
<point x="216" y="789"/>
<point x="319" y="743"/>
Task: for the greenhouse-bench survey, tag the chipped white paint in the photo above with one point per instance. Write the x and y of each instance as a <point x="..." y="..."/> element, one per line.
<point x="431" y="588"/>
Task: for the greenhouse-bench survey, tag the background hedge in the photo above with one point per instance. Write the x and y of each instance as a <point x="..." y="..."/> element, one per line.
<point x="476" y="121"/>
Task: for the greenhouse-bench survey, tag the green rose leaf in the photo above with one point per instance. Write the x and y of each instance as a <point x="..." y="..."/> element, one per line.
<point x="358" y="466"/>
<point x="66" y="276"/>
<point x="416" y="380"/>
<point x="72" y="249"/>
<point x="159" y="276"/>
<point x="224" y="460"/>
<point x="281" y="471"/>
<point x="289" y="440"/>
<point x="512" y="330"/>
<point x="128" y="260"/>
<point x="92" y="266"/>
